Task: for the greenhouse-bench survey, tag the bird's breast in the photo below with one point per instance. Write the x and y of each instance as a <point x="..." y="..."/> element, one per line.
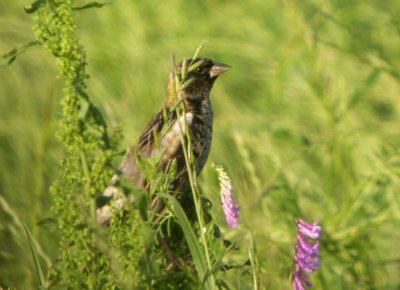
<point x="170" y="142"/>
<point x="200" y="130"/>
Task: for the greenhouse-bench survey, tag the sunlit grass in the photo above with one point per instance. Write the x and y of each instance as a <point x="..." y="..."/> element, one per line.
<point x="309" y="114"/>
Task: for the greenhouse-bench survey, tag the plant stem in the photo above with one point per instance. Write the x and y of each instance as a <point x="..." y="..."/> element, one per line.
<point x="193" y="185"/>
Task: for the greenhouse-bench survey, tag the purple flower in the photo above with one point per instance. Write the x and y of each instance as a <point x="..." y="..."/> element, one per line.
<point x="306" y="256"/>
<point x="312" y="231"/>
<point x="229" y="205"/>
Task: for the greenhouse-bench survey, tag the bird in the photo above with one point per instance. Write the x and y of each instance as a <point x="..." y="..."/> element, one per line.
<point x="161" y="137"/>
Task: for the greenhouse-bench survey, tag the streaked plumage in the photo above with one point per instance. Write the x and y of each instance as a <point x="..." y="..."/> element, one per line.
<point x="161" y="136"/>
<point x="199" y="116"/>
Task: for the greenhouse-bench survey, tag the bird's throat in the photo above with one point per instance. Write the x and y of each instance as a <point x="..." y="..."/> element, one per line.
<point x="198" y="106"/>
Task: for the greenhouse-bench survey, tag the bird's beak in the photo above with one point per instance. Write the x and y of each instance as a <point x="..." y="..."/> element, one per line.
<point x="218" y="68"/>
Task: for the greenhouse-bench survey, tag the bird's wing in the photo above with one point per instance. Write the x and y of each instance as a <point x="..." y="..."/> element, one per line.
<point x="147" y="141"/>
<point x="162" y="139"/>
<point x="144" y="146"/>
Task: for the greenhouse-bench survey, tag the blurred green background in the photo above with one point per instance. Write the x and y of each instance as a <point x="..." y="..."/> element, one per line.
<point x="307" y="124"/>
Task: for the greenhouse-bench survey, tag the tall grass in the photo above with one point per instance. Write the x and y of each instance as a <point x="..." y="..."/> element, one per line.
<point x="309" y="115"/>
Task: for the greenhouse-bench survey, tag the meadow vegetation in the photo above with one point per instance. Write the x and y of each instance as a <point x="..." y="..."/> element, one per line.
<point x="306" y="125"/>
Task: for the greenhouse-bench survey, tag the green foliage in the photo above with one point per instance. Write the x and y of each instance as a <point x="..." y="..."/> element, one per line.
<point x="306" y="122"/>
<point x="86" y="169"/>
<point x="198" y="257"/>
<point x="128" y="240"/>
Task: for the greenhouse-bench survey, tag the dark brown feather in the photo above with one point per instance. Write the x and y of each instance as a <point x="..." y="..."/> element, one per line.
<point x="161" y="127"/>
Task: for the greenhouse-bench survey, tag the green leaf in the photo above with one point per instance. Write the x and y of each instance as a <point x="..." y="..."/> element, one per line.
<point x="184" y="69"/>
<point x="200" y="48"/>
<point x="84" y="107"/>
<point x="34" y="6"/>
<point x="254" y="262"/>
<point x="195" y="65"/>
<point x="199" y="260"/>
<point x="92" y="5"/>
<point x="186" y="84"/>
<point x="47" y="222"/>
<point x="35" y="257"/>
<point x="10" y="56"/>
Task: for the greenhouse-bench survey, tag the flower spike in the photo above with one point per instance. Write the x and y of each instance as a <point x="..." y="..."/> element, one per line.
<point x="306" y="258"/>
<point x="229" y="205"/>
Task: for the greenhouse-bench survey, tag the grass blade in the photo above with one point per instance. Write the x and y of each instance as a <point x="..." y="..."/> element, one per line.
<point x="9" y="57"/>
<point x="199" y="49"/>
<point x="253" y="262"/>
<point x="199" y="260"/>
<point x="35" y="257"/>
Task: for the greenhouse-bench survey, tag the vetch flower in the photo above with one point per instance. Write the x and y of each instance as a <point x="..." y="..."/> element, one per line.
<point x="229" y="205"/>
<point x="307" y="253"/>
<point x="312" y="230"/>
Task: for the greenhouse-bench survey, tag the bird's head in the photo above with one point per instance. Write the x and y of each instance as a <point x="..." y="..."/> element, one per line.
<point x="199" y="76"/>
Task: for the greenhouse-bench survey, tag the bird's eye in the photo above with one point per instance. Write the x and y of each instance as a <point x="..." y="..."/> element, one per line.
<point x="199" y="70"/>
